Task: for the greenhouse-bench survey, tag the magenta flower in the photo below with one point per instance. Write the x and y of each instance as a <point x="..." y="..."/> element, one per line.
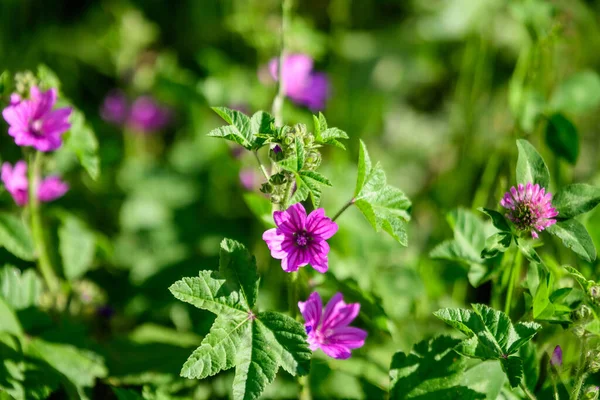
<point x="299" y="240"/>
<point x="34" y="123"/>
<point x="115" y="108"/>
<point x="248" y="178"/>
<point x="301" y="84"/>
<point x="329" y="330"/>
<point x="557" y="357"/>
<point x="529" y="208"/>
<point x="16" y="183"/>
<point x="147" y="115"/>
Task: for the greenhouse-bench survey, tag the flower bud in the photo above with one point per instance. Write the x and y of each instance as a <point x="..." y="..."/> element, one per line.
<point x="300" y="130"/>
<point x="582" y="314"/>
<point x="276" y="153"/>
<point x="594" y="361"/>
<point x="276" y="198"/>
<point x="309" y="139"/>
<point x="594" y="293"/>
<point x="266" y="188"/>
<point x="313" y="160"/>
<point x="579" y="330"/>
<point x="278" y="179"/>
<point x="24" y="81"/>
<point x="557" y="357"/>
<point x="591" y="393"/>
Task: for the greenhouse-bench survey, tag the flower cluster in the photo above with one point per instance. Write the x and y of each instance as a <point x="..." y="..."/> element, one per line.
<point x="144" y="115"/>
<point x="300" y="82"/>
<point x="16" y="183"/>
<point x="529" y="208"/>
<point x="33" y="122"/>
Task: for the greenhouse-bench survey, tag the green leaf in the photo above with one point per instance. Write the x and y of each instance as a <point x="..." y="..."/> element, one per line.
<point x="575" y="237"/>
<point x="491" y="335"/>
<point x="79" y="368"/>
<point x="431" y="367"/>
<point x="585" y="283"/>
<point x="124" y="394"/>
<point x="562" y="138"/>
<point x="531" y="166"/>
<point x="497" y="243"/>
<point x="257" y="345"/>
<point x="576" y="199"/>
<point x="498" y="219"/>
<point x="513" y="367"/>
<point x="577" y="94"/>
<point x="8" y="320"/>
<point x="295" y="161"/>
<point x="15" y="237"/>
<point x="240" y="127"/>
<point x="77" y="247"/>
<point x="541" y="300"/>
<point x="261" y="207"/>
<point x="20" y="290"/>
<point x="48" y="78"/>
<point x="384" y="206"/>
<point x="5" y="83"/>
<point x="325" y="135"/>
<point x="308" y="184"/>
<point x="526" y="247"/>
<point x="82" y="141"/>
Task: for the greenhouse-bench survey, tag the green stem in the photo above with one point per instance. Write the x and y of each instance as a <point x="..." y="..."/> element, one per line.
<point x="262" y="167"/>
<point x="286" y="17"/>
<point x="581" y="372"/>
<point x="529" y="395"/>
<point x="292" y="294"/>
<point x="511" y="283"/>
<point x="304" y="383"/>
<point x="37" y="227"/>
<point x="288" y="194"/>
<point x="344" y="208"/>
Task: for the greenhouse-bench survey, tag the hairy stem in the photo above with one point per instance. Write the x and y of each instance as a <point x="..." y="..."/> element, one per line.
<point x="529" y="395"/>
<point x="304" y="383"/>
<point x="262" y="167"/>
<point x="344" y="208"/>
<point x="286" y="16"/>
<point x="37" y="227"/>
<point x="511" y="282"/>
<point x="581" y="372"/>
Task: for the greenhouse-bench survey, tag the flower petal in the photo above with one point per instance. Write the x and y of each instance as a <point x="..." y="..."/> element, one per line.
<point x="319" y="225"/>
<point x="336" y="351"/>
<point x="311" y="310"/>
<point x="339" y="314"/>
<point x="348" y="336"/>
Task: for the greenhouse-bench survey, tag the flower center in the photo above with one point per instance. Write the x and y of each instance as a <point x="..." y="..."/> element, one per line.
<point x="525" y="215"/>
<point x="36" y="127"/>
<point x="302" y="238"/>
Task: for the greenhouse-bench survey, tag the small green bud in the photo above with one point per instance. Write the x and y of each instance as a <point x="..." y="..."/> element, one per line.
<point x="24" y="81"/>
<point x="275" y="198"/>
<point x="594" y="293"/>
<point x="579" y="330"/>
<point x="591" y="392"/>
<point x="300" y="130"/>
<point x="594" y="361"/>
<point x="309" y="139"/>
<point x="278" y="179"/>
<point x="313" y="160"/>
<point x="266" y="188"/>
<point x="582" y="314"/>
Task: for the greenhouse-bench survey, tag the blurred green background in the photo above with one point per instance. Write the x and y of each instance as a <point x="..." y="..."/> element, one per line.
<point x="438" y="89"/>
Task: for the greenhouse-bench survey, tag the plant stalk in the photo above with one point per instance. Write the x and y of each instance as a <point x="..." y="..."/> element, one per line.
<point x="529" y="395"/>
<point x="262" y="167"/>
<point x="286" y="17"/>
<point x="511" y="282"/>
<point x="37" y="227"/>
<point x="344" y="208"/>
<point x="581" y="372"/>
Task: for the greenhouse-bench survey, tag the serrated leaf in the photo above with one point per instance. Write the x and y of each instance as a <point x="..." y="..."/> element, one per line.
<point x="384" y="206"/>
<point x="331" y="136"/>
<point x="15" y="237"/>
<point x="20" y="290"/>
<point x="257" y="345"/>
<point x="575" y="237"/>
<point x="261" y="122"/>
<point x="498" y="219"/>
<point x="576" y="199"/>
<point x="308" y="184"/>
<point x="531" y="166"/>
<point x="578" y="93"/>
<point x="82" y="141"/>
<point x="239" y="129"/>
<point x="431" y="366"/>
<point x="77" y="246"/>
<point x="497" y="243"/>
<point x="295" y="161"/>
<point x="562" y="138"/>
<point x="491" y="334"/>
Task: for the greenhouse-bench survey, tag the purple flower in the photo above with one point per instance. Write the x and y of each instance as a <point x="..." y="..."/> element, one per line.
<point x="115" y="108"/>
<point x="301" y="84"/>
<point x="557" y="357"/>
<point x="529" y="208"/>
<point x="147" y="115"/>
<point x="248" y="178"/>
<point x="34" y="123"/>
<point x="16" y="183"/>
<point x="328" y="329"/>
<point x="299" y="240"/>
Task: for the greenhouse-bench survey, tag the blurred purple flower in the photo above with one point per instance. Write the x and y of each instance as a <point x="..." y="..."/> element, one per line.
<point x="529" y="208"/>
<point x="105" y="311"/>
<point x="15" y="99"/>
<point x="248" y="178"/>
<point x="301" y="84"/>
<point x="299" y="240"/>
<point x="557" y="357"/>
<point x="34" y="123"/>
<point x="115" y="108"/>
<point x="16" y="183"/>
<point x="329" y="330"/>
<point x="147" y="115"/>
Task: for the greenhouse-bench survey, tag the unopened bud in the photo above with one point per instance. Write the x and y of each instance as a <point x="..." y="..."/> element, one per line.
<point x="557" y="357"/>
<point x="266" y="188"/>
<point x="276" y="153"/>
<point x="278" y="179"/>
<point x="594" y="361"/>
<point x="582" y="314"/>
<point x="594" y="293"/>
<point x="591" y="393"/>
<point x="313" y="160"/>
